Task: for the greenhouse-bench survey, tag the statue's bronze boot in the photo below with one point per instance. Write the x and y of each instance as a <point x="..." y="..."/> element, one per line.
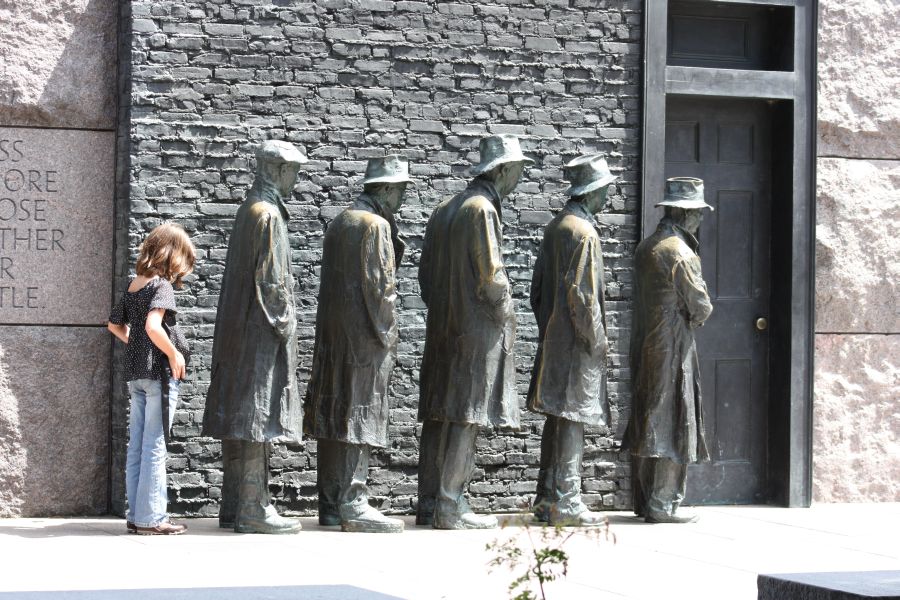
<point x="584" y="518"/>
<point x="270" y="522"/>
<point x="654" y="516"/>
<point x="255" y="514"/>
<point x="365" y="519"/>
<point x="466" y="521"/>
<point x="458" y="515"/>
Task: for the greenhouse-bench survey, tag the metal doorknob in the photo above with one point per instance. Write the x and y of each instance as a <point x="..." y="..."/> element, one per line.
<point x="762" y="324"/>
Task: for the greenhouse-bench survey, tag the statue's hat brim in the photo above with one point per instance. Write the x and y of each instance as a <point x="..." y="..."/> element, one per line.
<point x="280" y="151"/>
<point x="684" y="192"/>
<point x="391" y="168"/>
<point x="485" y="167"/>
<point x="496" y="150"/>
<point x="587" y="188"/>
<point x="587" y="173"/>
<point x="684" y="203"/>
<point x="387" y="179"/>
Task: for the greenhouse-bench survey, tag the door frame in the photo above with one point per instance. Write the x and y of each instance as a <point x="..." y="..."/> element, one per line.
<point x="793" y="298"/>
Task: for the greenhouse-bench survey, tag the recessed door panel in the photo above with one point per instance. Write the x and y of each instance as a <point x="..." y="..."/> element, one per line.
<point x="734" y="230"/>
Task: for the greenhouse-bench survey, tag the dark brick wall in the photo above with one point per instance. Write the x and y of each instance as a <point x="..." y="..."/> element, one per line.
<point x="346" y="80"/>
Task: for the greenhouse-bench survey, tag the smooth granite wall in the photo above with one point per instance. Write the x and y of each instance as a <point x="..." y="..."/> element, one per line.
<point x="856" y="441"/>
<point x="57" y="113"/>
<point x="346" y="80"/>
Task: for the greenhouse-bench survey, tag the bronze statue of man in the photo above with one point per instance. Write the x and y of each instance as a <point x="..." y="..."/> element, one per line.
<point x="568" y="383"/>
<point x="253" y="399"/>
<point x="468" y="372"/>
<point x="665" y="431"/>
<point x="356" y="345"/>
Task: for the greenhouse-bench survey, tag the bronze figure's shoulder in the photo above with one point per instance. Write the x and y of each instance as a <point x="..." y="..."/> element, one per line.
<point x="479" y="203"/>
<point x="580" y="228"/>
<point x="676" y="247"/>
<point x="260" y="210"/>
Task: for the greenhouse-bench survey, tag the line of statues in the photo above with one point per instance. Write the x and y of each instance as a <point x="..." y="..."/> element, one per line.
<point x="467" y="373"/>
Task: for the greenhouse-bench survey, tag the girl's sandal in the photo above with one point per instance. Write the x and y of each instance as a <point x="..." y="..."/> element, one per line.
<point x="164" y="528"/>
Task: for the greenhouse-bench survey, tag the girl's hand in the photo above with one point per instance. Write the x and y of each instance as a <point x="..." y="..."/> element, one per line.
<point x="176" y="363"/>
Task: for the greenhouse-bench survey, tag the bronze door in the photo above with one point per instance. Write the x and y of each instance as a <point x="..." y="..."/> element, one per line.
<point x="727" y="143"/>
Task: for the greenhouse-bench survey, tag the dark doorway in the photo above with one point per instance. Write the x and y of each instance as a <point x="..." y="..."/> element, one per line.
<point x="727" y="143"/>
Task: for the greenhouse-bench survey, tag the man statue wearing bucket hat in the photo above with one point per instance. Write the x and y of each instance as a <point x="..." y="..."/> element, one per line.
<point x="356" y="345"/>
<point x="468" y="371"/>
<point x="253" y="398"/>
<point x="665" y="431"/>
<point x="568" y="382"/>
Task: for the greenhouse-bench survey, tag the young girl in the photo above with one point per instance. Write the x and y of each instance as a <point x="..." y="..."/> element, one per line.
<point x="154" y="365"/>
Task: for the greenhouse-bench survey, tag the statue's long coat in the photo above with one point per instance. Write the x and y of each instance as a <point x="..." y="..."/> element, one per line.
<point x="569" y="375"/>
<point x="671" y="300"/>
<point x="356" y="328"/>
<point x="468" y="370"/>
<point x="253" y="392"/>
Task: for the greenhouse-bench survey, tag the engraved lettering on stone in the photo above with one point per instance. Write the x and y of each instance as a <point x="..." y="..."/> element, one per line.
<point x="26" y="198"/>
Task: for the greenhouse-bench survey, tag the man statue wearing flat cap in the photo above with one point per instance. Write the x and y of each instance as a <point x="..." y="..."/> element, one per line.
<point x="568" y="383"/>
<point x="665" y="431"/>
<point x="468" y="371"/>
<point x="356" y="345"/>
<point x="253" y="399"/>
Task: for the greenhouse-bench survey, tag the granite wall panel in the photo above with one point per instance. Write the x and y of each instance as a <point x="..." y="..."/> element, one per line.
<point x="856" y="451"/>
<point x="54" y="420"/>
<point x="58" y="63"/>
<point x="859" y="108"/>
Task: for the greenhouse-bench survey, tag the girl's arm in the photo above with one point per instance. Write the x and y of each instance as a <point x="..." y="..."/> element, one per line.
<point x="158" y="336"/>
<point x="120" y="331"/>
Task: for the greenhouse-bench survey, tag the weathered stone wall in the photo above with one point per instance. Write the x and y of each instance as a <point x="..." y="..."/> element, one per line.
<point x="57" y="113"/>
<point x="856" y="449"/>
<point x="349" y="79"/>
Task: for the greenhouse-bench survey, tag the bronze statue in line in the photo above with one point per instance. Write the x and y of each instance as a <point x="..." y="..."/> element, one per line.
<point x="468" y="372"/>
<point x="253" y="399"/>
<point x="568" y="383"/>
<point x="665" y="431"/>
<point x="356" y="345"/>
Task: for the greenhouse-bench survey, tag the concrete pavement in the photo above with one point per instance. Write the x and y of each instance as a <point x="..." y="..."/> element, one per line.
<point x="717" y="558"/>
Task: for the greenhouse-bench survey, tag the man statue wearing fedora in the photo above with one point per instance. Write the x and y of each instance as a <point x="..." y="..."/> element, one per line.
<point x="468" y="371"/>
<point x="253" y="399"/>
<point x="356" y="345"/>
<point x="665" y="431"/>
<point x="568" y="383"/>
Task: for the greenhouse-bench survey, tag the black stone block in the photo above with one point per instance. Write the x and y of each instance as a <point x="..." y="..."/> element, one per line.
<point x="850" y="585"/>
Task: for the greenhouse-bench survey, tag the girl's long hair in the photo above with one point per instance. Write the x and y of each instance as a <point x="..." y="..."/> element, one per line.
<point x="167" y="252"/>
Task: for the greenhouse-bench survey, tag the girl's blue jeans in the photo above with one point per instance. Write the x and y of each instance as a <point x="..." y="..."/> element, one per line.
<point x="145" y="465"/>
